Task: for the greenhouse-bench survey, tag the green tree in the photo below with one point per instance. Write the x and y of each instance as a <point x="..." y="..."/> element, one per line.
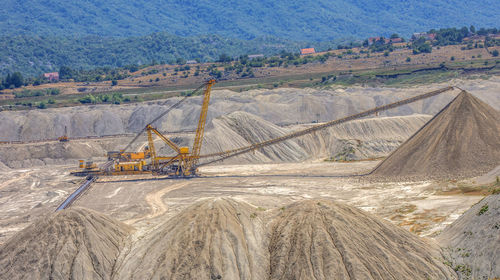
<point x="17" y="79"/>
<point x="65" y="73"/>
<point x="181" y="61"/>
<point x="114" y="83"/>
<point x="394" y="36"/>
<point x="225" y="58"/>
<point x="494" y="53"/>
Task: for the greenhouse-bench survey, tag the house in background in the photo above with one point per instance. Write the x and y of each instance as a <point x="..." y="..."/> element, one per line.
<point x="307" y="51"/>
<point x="425" y="35"/>
<point x="396" y="40"/>
<point x="53" y="77"/>
<point x="191" y="62"/>
<point x="255" y="56"/>
<point x="372" y="40"/>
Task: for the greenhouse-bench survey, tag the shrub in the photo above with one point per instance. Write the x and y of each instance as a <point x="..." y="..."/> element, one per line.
<point x="483" y="210"/>
<point x="42" y="105"/>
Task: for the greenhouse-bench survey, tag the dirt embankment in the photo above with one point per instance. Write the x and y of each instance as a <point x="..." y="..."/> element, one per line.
<point x="463" y="140"/>
<point x="279" y="106"/>
<point x="473" y="241"/>
<point x="224" y="238"/>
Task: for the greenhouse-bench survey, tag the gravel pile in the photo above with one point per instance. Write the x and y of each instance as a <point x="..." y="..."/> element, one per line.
<point x="463" y="140"/>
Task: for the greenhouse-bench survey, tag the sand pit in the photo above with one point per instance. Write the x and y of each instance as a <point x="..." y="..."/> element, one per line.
<point x="71" y="244"/>
<point x="463" y="140"/>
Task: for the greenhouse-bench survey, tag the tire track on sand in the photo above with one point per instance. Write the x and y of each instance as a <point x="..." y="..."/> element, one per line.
<point x="155" y="202"/>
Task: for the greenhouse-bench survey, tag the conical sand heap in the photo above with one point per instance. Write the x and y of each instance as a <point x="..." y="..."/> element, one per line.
<point x="70" y="244"/>
<point x="463" y="140"/>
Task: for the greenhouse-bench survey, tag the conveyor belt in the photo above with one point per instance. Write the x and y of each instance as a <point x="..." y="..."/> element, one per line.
<point x="232" y="153"/>
<point x="75" y="195"/>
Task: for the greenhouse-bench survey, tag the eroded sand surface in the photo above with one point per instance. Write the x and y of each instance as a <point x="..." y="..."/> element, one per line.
<point x="143" y="202"/>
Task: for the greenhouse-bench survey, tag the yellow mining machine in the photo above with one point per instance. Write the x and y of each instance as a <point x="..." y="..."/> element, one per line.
<point x="65" y="137"/>
<point x="182" y="164"/>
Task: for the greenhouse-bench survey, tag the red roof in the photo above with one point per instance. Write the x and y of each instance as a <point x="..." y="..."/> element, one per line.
<point x="52" y="76"/>
<point x="307" y="51"/>
<point x="431" y="36"/>
<point x="397" y="40"/>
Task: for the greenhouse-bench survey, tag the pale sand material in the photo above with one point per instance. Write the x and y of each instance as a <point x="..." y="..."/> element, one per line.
<point x="473" y="241"/>
<point x="463" y="140"/>
<point x="70" y="244"/>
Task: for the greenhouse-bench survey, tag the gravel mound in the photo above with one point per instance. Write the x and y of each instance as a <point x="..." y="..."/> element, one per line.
<point x="228" y="239"/>
<point x="70" y="244"/>
<point x="326" y="240"/>
<point x="224" y="238"/>
<point x="213" y="239"/>
<point x="472" y="242"/>
<point x="463" y="140"/>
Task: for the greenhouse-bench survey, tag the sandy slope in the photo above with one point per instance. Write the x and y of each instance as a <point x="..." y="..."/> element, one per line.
<point x="473" y="241"/>
<point x="279" y="106"/>
<point x="367" y="138"/>
<point x="224" y="238"/>
<point x="461" y="141"/>
<point x="72" y="244"/>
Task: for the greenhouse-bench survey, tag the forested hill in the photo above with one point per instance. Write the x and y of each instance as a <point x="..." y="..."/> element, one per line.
<point x="33" y="54"/>
<point x="306" y="20"/>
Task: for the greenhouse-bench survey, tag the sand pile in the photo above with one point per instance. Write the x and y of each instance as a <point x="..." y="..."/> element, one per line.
<point x="240" y="129"/>
<point x="228" y="239"/>
<point x="473" y="241"/>
<point x="71" y="244"/>
<point x="213" y="239"/>
<point x="224" y="238"/>
<point x="462" y="140"/>
<point x="325" y="240"/>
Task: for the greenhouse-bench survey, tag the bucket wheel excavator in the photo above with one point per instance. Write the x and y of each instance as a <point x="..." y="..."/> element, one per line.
<point x="182" y="164"/>
<point x="185" y="163"/>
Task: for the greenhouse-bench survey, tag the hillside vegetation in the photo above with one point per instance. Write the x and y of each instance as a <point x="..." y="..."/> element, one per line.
<point x="32" y="55"/>
<point x="320" y="20"/>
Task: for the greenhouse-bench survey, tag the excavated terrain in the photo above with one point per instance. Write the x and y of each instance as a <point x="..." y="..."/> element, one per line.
<point x="360" y="139"/>
<point x="463" y="140"/>
<point x="72" y="244"/>
<point x="472" y="242"/>
<point x="283" y="106"/>
<point x="282" y="212"/>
